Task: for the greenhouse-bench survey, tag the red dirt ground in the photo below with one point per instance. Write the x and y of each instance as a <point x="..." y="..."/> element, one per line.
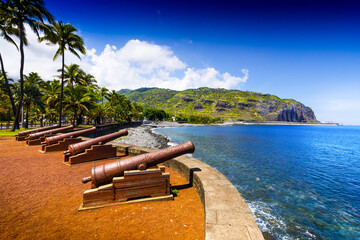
<point x="40" y="196"/>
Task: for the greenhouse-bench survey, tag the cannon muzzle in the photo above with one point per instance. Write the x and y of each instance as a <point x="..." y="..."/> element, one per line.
<point x="80" y="147"/>
<point x="103" y="174"/>
<point x="53" y="131"/>
<point x="42" y="129"/>
<point x="55" y="139"/>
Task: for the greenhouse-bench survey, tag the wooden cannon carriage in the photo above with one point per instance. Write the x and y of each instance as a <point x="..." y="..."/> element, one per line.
<point x="39" y="137"/>
<point x="62" y="142"/>
<point x="22" y="135"/>
<point x="132" y="179"/>
<point x="93" y="149"/>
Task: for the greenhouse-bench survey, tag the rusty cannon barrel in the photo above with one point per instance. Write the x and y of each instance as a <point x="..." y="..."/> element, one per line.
<point x="103" y="174"/>
<point x="53" y="131"/>
<point x="55" y="139"/>
<point x="80" y="147"/>
<point x="27" y="132"/>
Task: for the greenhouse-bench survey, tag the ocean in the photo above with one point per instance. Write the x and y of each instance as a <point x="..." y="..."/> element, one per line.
<point x="301" y="182"/>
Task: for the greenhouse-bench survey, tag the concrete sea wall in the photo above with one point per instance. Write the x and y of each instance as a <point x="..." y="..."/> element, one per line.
<point x="227" y="216"/>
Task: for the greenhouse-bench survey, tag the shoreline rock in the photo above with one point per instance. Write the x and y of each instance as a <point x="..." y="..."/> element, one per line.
<point x="144" y="137"/>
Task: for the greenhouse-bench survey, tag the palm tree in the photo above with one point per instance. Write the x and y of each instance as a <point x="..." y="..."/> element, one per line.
<point x="5" y="31"/>
<point x="51" y="91"/>
<point x="38" y="113"/>
<point x="104" y="92"/>
<point x="64" y="36"/>
<point x="32" y="96"/>
<point x="88" y="80"/>
<point x="121" y="106"/>
<point x="18" y="13"/>
<point x="4" y="96"/>
<point x="78" y="98"/>
<point x="72" y="74"/>
<point x="34" y="79"/>
<point x="99" y="113"/>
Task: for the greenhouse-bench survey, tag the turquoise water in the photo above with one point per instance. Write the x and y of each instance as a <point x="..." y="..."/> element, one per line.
<point x="301" y="182"/>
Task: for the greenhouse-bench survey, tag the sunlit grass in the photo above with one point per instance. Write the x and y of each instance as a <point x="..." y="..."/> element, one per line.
<point x="8" y="133"/>
<point x="85" y="125"/>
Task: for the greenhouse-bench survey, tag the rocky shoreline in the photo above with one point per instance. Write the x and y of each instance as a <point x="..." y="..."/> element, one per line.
<point x="144" y="136"/>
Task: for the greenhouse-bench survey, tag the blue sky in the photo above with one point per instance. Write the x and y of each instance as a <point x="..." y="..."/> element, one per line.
<point x="305" y="50"/>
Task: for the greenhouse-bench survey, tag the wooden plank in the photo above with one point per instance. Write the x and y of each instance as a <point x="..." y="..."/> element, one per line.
<point x="141" y="192"/>
<point x="149" y="199"/>
<point x="37" y="141"/>
<point x="144" y="182"/>
<point x="135" y="184"/>
<point x="95" y="153"/>
<point x="97" y="196"/>
<point x="61" y="145"/>
<point x="141" y="172"/>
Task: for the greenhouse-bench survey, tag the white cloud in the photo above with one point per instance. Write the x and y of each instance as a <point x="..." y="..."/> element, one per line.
<point x="136" y="64"/>
<point x="142" y="64"/>
<point x="38" y="57"/>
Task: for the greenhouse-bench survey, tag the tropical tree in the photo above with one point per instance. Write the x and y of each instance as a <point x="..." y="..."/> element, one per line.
<point x="88" y="80"/>
<point x="4" y="99"/>
<point x="104" y="93"/>
<point x="32" y="97"/>
<point x="5" y="31"/>
<point x="93" y="98"/>
<point x="34" y="79"/>
<point x="18" y="13"/>
<point x="51" y="91"/>
<point x="137" y="111"/>
<point x="72" y="74"/>
<point x="39" y="113"/>
<point x="78" y="99"/>
<point x="100" y="113"/>
<point x="64" y="36"/>
<point x="120" y="105"/>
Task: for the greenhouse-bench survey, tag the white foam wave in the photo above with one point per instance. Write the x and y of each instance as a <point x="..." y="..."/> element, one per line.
<point x="170" y="143"/>
<point x="267" y="220"/>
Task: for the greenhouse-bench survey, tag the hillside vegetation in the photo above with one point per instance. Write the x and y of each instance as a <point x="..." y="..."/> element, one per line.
<point x="222" y="103"/>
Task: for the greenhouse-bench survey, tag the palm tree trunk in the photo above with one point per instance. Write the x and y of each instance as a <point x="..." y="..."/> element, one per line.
<point x="16" y="122"/>
<point x="8" y="86"/>
<point x="74" y="117"/>
<point x="27" y="117"/>
<point x="62" y="85"/>
<point x="9" y="116"/>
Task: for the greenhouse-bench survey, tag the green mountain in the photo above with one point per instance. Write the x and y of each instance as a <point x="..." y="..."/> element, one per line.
<point x="227" y="104"/>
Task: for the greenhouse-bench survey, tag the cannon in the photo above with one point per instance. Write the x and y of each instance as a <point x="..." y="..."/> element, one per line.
<point x="117" y="182"/>
<point x="39" y="137"/>
<point x="61" y="142"/>
<point x="22" y="135"/>
<point x="103" y="174"/>
<point x="93" y="149"/>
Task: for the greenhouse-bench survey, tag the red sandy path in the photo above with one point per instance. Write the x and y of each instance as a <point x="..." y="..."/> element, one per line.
<point x="39" y="198"/>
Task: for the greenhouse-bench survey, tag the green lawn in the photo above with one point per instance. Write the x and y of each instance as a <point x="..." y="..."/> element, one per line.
<point x="8" y="133"/>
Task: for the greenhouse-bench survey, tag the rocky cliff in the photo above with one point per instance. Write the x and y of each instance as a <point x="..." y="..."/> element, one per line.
<point x="223" y="103"/>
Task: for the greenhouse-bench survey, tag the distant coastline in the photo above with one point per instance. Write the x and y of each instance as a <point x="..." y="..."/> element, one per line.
<point x="229" y="123"/>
